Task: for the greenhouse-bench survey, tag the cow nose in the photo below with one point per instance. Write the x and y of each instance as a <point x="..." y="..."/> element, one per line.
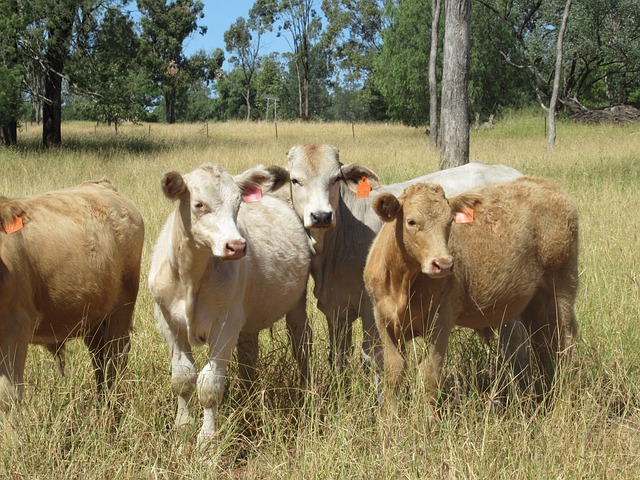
<point x="440" y="267"/>
<point x="321" y="219"/>
<point x="235" y="249"/>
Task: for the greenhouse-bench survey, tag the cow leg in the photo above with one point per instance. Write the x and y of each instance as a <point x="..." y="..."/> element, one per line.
<point x="431" y="366"/>
<point x="372" y="351"/>
<point x="394" y="363"/>
<point x="247" y="360"/>
<point x="301" y="337"/>
<point x="513" y="353"/>
<point x="340" y="339"/>
<point x="117" y="342"/>
<point x="542" y="326"/>
<point x="212" y="377"/>
<point x="14" y="343"/>
<point x="183" y="368"/>
<point x="94" y="342"/>
<point x="553" y="323"/>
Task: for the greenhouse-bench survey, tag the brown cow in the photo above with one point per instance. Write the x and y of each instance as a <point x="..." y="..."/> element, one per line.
<point x="512" y="250"/>
<point x="69" y="267"/>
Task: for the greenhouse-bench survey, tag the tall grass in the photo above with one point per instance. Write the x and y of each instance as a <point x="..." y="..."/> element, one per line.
<point x="592" y="430"/>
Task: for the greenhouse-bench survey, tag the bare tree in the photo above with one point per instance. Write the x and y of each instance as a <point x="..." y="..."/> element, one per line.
<point x="455" y="83"/>
<point x="556" y="80"/>
<point x="433" y="81"/>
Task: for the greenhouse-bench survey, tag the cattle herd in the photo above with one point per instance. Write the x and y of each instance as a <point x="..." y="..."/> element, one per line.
<point x="479" y="246"/>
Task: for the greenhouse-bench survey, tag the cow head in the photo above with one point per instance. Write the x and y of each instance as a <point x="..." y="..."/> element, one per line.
<point x="209" y="199"/>
<point x="315" y="173"/>
<point x="423" y="219"/>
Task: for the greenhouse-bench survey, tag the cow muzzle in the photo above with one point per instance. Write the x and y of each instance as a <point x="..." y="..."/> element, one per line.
<point x="438" y="267"/>
<point x="321" y="219"/>
<point x="234" y="249"/>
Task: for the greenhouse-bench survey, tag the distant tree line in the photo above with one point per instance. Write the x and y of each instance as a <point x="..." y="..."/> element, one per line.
<point x="352" y="60"/>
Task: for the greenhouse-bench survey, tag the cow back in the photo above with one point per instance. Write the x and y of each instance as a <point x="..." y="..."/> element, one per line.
<point x="75" y="261"/>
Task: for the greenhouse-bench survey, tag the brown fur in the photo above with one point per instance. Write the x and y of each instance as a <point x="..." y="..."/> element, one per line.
<point x="518" y="257"/>
<point x="72" y="271"/>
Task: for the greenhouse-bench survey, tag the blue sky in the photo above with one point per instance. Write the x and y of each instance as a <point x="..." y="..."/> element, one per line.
<point x="218" y="16"/>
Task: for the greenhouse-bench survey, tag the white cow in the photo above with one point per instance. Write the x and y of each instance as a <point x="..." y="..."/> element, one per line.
<point x="221" y="271"/>
<point x="342" y="228"/>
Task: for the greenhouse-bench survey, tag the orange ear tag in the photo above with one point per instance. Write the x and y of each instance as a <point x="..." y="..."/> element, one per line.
<point x="15" y="226"/>
<point x="252" y="195"/>
<point x="465" y="216"/>
<point x="364" y="189"/>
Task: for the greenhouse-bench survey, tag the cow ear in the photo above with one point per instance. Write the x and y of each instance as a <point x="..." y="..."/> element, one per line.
<point x="387" y="206"/>
<point x="353" y="174"/>
<point x="462" y="202"/>
<point x="173" y="185"/>
<point x="279" y="176"/>
<point x="253" y="182"/>
<point x="13" y="215"/>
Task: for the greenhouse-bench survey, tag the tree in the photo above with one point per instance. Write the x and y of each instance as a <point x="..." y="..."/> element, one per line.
<point x="455" y="82"/>
<point x="243" y="40"/>
<point x="107" y="70"/>
<point x="433" y="80"/>
<point x="401" y="73"/>
<point x="165" y="27"/>
<point x="50" y="32"/>
<point x="300" y="19"/>
<point x="11" y="72"/>
<point x="354" y="34"/>
<point x="556" y="77"/>
<point x="601" y="48"/>
<point x="270" y="81"/>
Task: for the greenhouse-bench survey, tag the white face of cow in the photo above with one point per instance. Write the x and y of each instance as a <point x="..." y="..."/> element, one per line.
<point x="209" y="202"/>
<point x="315" y="173"/>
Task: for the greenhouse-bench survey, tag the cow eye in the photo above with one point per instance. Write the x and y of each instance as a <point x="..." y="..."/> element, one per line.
<point x="198" y="205"/>
<point x="295" y="181"/>
<point x="411" y="223"/>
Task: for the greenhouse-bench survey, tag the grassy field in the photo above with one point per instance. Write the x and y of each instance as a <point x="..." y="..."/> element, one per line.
<point x="592" y="429"/>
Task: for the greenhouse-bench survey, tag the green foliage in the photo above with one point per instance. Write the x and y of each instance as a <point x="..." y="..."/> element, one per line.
<point x="11" y="71"/>
<point x="401" y="68"/>
<point x="165" y="27"/>
<point x="108" y="72"/>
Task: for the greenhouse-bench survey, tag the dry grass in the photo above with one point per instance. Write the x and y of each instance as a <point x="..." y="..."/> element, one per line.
<point x="592" y="429"/>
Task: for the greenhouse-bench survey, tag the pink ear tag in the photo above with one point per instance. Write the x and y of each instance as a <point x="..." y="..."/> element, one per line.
<point x="15" y="226"/>
<point x="252" y="195"/>
<point x="465" y="216"/>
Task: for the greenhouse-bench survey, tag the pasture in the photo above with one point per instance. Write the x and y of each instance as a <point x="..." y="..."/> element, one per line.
<point x="592" y="430"/>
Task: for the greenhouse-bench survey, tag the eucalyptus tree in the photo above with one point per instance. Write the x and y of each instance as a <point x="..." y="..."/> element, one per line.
<point x="455" y="82"/>
<point x="601" y="48"/>
<point x="164" y="28"/>
<point x="298" y="19"/>
<point x="11" y="71"/>
<point x="401" y="67"/>
<point x="243" y="41"/>
<point x="106" y="68"/>
<point x="50" y="29"/>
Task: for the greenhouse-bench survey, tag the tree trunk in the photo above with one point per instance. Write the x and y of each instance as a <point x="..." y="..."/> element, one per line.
<point x="433" y="81"/>
<point x="10" y="133"/>
<point x="52" y="106"/>
<point x="299" y="91"/>
<point x="556" y="79"/>
<point x="57" y="46"/>
<point x="170" y="103"/>
<point x="455" y="82"/>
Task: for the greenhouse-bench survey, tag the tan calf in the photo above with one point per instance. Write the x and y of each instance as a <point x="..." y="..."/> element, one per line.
<point x="515" y="252"/>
